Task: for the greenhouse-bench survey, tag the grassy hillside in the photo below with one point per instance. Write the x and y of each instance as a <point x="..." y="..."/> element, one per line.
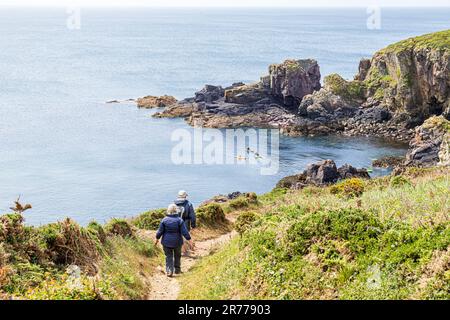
<point x="66" y="261"/>
<point x="388" y="238"/>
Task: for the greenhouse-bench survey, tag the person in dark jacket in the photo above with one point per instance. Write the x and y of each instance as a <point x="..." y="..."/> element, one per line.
<point x="172" y="229"/>
<point x="187" y="212"/>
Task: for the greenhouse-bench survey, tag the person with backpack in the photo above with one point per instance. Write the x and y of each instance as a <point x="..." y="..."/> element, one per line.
<point x="172" y="229"/>
<point x="186" y="208"/>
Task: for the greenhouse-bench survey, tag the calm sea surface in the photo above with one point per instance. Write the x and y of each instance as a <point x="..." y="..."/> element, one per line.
<point x="69" y="154"/>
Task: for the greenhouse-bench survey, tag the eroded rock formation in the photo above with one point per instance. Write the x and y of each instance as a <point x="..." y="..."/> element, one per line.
<point x="394" y="92"/>
<point x="322" y="173"/>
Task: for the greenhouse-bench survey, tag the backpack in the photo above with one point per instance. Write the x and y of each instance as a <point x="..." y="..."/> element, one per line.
<point x="183" y="213"/>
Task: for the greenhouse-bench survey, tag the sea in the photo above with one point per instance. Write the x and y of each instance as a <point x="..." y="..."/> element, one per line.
<point x="69" y="154"/>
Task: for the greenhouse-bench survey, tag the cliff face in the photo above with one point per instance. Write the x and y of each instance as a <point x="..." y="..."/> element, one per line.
<point x="294" y="79"/>
<point x="411" y="77"/>
<point x="393" y="93"/>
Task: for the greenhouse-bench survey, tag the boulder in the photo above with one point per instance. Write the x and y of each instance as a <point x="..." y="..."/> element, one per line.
<point x="430" y="146"/>
<point x="373" y="115"/>
<point x="209" y="94"/>
<point x="324" y="103"/>
<point x="321" y="174"/>
<point x="347" y="172"/>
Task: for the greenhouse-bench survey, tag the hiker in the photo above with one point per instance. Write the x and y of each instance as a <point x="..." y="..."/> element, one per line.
<point x="186" y="208"/>
<point x="172" y="229"/>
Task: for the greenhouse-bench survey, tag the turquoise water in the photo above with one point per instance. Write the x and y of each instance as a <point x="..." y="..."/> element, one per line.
<point x="69" y="154"/>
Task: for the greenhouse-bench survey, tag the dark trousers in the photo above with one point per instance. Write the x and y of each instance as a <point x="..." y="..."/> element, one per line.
<point x="173" y="259"/>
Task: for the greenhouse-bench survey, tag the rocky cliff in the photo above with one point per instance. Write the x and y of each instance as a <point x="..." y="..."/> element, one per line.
<point x="411" y="77"/>
<point x="395" y="91"/>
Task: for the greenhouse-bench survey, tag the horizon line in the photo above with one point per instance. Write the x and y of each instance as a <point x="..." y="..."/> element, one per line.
<point x="218" y="7"/>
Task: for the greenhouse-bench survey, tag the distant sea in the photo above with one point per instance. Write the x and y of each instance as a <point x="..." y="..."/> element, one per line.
<point x="69" y="154"/>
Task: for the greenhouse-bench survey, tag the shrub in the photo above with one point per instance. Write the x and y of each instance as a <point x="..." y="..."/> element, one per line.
<point x="350" y="188"/>
<point x="211" y="214"/>
<point x="12" y="230"/>
<point x="244" y="221"/>
<point x="119" y="227"/>
<point x="97" y="231"/>
<point x="353" y="225"/>
<point x="67" y="243"/>
<point x="149" y="220"/>
<point x="243" y="201"/>
<point x="398" y="181"/>
<point x="251" y="197"/>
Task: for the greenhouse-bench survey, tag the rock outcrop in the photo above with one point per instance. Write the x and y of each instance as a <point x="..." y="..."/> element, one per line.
<point x="265" y="104"/>
<point x="431" y="144"/>
<point x="399" y="88"/>
<point x="394" y="92"/>
<point x="149" y="102"/>
<point x="411" y="77"/>
<point x="322" y="173"/>
<point x="292" y="80"/>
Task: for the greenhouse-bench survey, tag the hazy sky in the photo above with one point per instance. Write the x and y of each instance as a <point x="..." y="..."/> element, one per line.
<point x="228" y="3"/>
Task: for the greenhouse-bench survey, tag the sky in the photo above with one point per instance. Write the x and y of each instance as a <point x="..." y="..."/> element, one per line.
<point x="228" y="3"/>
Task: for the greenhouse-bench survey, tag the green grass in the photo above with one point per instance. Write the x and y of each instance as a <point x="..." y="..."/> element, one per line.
<point x="114" y="262"/>
<point x="390" y="241"/>
<point x="437" y="40"/>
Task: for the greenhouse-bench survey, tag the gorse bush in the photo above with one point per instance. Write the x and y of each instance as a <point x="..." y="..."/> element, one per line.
<point x="149" y="220"/>
<point x="348" y="188"/>
<point x="243" y="201"/>
<point x="97" y="230"/>
<point x="211" y="214"/>
<point x="67" y="243"/>
<point x="119" y="227"/>
<point x="33" y="260"/>
<point x="244" y="221"/>
<point x="398" y="181"/>
<point x="351" y="225"/>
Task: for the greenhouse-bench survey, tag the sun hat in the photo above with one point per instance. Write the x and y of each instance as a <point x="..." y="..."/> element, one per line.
<point x="182" y="194"/>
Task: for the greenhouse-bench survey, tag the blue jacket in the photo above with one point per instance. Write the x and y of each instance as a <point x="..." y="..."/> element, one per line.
<point x="172" y="229"/>
<point x="189" y="213"/>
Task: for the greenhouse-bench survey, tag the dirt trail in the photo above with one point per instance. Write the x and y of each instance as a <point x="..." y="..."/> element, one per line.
<point x="165" y="288"/>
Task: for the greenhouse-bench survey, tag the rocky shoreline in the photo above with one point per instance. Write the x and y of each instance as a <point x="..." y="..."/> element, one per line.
<point x="394" y="92"/>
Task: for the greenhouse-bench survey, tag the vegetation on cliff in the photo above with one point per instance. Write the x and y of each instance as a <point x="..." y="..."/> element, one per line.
<point x="437" y="40"/>
<point x="387" y="238"/>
